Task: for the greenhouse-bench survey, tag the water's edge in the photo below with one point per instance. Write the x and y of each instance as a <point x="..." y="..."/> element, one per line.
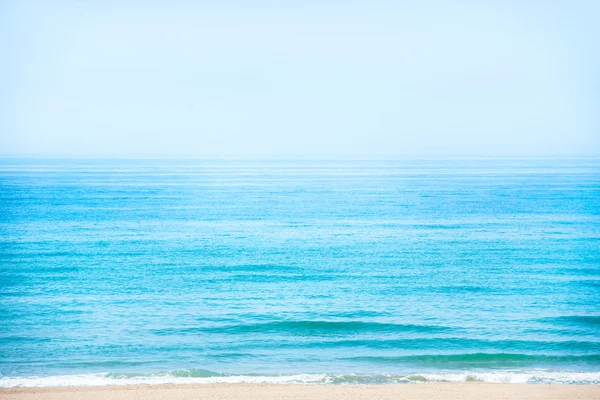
<point x="199" y="376"/>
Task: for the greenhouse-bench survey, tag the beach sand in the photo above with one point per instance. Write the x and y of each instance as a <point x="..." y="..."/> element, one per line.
<point x="462" y="391"/>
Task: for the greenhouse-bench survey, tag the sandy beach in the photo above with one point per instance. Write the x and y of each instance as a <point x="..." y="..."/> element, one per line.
<point x="463" y="391"/>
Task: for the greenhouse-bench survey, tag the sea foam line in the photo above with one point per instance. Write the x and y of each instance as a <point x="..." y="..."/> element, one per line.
<point x="107" y="379"/>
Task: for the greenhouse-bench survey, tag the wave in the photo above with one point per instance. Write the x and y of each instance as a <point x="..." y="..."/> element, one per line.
<point x="199" y="376"/>
<point x="306" y="328"/>
<point x="586" y="320"/>
<point x="450" y="344"/>
<point x="487" y="360"/>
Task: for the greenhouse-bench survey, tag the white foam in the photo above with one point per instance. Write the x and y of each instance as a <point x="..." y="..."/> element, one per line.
<point x="104" y="379"/>
<point x="538" y="376"/>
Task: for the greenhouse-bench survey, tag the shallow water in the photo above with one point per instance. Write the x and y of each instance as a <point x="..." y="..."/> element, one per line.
<point x="322" y="271"/>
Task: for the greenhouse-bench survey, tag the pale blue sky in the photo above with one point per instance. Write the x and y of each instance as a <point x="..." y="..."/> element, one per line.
<point x="300" y="79"/>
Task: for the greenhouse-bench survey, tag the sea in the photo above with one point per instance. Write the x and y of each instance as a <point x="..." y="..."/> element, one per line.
<point x="117" y="272"/>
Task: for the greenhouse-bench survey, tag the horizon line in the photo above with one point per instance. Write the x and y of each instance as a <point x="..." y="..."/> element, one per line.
<point x="290" y="158"/>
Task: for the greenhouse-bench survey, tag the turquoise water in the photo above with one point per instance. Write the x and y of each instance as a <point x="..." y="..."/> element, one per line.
<point x="128" y="271"/>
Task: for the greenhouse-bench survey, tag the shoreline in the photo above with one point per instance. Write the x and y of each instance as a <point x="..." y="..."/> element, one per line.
<point x="252" y="391"/>
<point x="206" y="377"/>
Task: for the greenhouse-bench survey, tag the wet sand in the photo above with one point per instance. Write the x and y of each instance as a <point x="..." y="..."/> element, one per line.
<point x="437" y="391"/>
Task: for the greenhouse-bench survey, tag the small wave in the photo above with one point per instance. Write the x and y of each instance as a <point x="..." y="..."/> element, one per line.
<point x="199" y="376"/>
<point x="306" y="328"/>
<point x="182" y="373"/>
<point x="586" y="320"/>
<point x="481" y="359"/>
<point x="455" y="344"/>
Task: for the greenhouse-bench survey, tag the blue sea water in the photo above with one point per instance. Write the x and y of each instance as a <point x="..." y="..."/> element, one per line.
<point x="141" y="271"/>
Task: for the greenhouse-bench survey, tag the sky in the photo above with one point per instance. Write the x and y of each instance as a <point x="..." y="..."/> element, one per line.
<point x="279" y="79"/>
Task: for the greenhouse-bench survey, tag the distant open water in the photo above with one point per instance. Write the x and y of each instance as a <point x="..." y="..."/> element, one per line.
<point x="147" y="271"/>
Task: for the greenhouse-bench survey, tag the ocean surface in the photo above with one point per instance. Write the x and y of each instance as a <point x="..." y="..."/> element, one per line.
<point x="150" y="271"/>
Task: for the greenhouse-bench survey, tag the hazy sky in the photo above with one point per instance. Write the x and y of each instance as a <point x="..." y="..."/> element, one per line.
<point x="299" y="79"/>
